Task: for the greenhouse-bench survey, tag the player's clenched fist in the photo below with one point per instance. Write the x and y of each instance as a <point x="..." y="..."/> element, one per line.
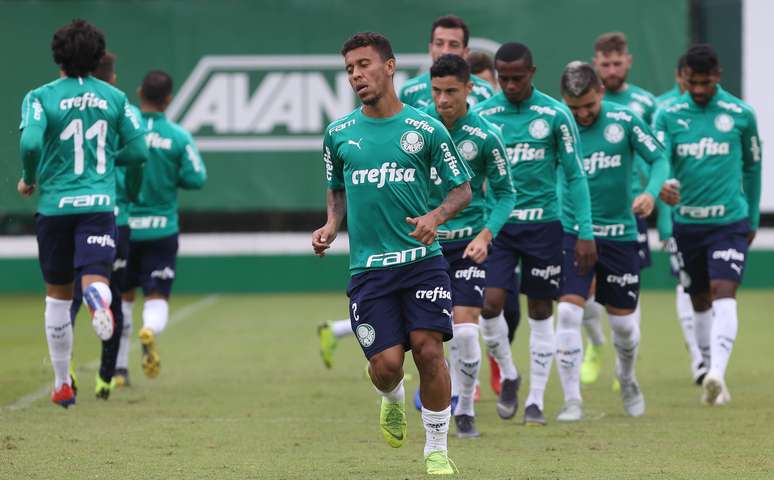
<point x="426" y="227"/>
<point x="322" y="239"/>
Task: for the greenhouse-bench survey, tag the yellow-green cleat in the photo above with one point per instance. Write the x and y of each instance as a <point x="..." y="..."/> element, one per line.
<point x="328" y="343"/>
<point x="438" y="463"/>
<point x="592" y="364"/>
<point x="73" y="379"/>
<point x="392" y="422"/>
<point x="151" y="361"/>
<point x="103" y="388"/>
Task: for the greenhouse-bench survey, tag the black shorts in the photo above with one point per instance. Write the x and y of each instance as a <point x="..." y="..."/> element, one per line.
<point x="152" y="265"/>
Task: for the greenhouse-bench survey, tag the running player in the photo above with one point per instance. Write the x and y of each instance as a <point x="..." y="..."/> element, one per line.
<point x="612" y="137"/>
<point x="174" y="163"/>
<point x="540" y="136"/>
<point x="449" y="34"/>
<point x="74" y="131"/>
<point x="465" y="239"/>
<point x="377" y="166"/>
<point x="712" y="141"/>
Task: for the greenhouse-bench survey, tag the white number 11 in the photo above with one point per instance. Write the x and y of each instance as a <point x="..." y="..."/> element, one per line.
<point x="75" y="130"/>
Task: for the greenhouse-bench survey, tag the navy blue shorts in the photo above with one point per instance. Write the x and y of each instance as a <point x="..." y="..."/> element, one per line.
<point x="468" y="279"/>
<point x="711" y="252"/>
<point x="617" y="271"/>
<point x="642" y="241"/>
<point x="539" y="247"/>
<point x="152" y="265"/>
<point x="386" y="305"/>
<point x="68" y="244"/>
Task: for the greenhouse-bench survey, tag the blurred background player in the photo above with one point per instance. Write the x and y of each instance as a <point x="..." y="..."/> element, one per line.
<point x="174" y="162"/>
<point x="108" y="368"/>
<point x="448" y="35"/>
<point x="377" y="163"/>
<point x="541" y="138"/>
<point x="74" y="131"/>
<point x="482" y="66"/>
<point x="711" y="138"/>
<point x="466" y="238"/>
<point x="612" y="137"/>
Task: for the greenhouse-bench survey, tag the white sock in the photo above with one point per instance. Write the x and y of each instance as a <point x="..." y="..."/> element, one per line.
<point x="396" y="395"/>
<point x="155" y="314"/>
<point x="122" y="361"/>
<point x="685" y="316"/>
<point x="542" y="345"/>
<point x="452" y="361"/>
<point x="494" y="331"/>
<point x="59" y="334"/>
<point x="592" y="321"/>
<point x="638" y="313"/>
<point x="436" y="429"/>
<point x="626" y="338"/>
<point x="724" y="327"/>
<point x="341" y="328"/>
<point x="569" y="348"/>
<point x="104" y="292"/>
<point x="702" y="322"/>
<point x="467" y="366"/>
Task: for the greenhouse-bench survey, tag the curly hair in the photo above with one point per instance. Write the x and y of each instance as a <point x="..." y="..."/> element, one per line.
<point x="78" y="48"/>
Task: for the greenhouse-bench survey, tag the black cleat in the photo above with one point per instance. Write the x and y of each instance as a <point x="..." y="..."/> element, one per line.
<point x="533" y="415"/>
<point x="466" y="426"/>
<point x="508" y="403"/>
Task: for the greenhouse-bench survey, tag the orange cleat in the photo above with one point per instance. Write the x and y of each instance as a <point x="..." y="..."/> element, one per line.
<point x="64" y="397"/>
<point x="494" y="375"/>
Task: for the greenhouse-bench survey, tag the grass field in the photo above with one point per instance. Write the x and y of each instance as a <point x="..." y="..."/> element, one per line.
<point x="243" y="394"/>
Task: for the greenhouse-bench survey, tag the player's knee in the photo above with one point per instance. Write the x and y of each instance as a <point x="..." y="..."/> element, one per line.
<point x="539" y="309"/>
<point x="428" y="352"/>
<point x="701" y="301"/>
<point x="385" y="370"/>
<point x="723" y="289"/>
<point x="567" y="318"/>
<point x="493" y="304"/>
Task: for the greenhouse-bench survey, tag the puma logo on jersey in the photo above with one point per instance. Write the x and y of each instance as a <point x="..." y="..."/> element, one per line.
<point x="705" y="147"/>
<point x="357" y="144"/>
<point x="522" y="151"/>
<point x="684" y="122"/>
<point x="600" y="161"/>
<point x="388" y="172"/>
<point x="87" y="100"/>
<point x="447" y="313"/>
<point x="632" y="294"/>
<point x="736" y="268"/>
<point x="480" y="290"/>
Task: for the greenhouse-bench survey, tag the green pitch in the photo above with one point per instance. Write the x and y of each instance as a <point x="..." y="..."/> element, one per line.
<point x="243" y="394"/>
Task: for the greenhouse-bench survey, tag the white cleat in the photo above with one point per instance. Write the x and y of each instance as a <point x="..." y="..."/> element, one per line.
<point x="571" y="412"/>
<point x="633" y="400"/>
<point x="715" y="391"/>
<point x="102" y="321"/>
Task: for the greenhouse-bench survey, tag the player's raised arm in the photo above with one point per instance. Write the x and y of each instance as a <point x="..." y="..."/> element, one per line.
<point x="751" y="171"/>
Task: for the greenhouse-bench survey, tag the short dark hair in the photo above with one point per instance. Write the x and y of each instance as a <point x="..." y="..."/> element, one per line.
<point x="702" y="58"/>
<point x="78" y="47"/>
<point x="369" y="39"/>
<point x="106" y="67"/>
<point x="578" y="78"/>
<point x="611" y="42"/>
<point x="480" y="61"/>
<point x="156" y="87"/>
<point x="448" y="65"/>
<point x="513" y="51"/>
<point x="451" y="21"/>
<point x="681" y="62"/>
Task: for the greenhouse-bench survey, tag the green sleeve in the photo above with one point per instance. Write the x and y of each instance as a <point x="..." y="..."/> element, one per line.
<point x="449" y="164"/>
<point x="133" y="182"/>
<point x="334" y="167"/>
<point x="751" y="169"/>
<point x="663" y="220"/>
<point x="193" y="173"/>
<point x="652" y="153"/>
<point x="498" y="175"/>
<point x="134" y="153"/>
<point x="567" y="147"/>
<point x="31" y="147"/>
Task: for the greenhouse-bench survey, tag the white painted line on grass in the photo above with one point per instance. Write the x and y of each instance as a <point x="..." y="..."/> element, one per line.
<point x="177" y="316"/>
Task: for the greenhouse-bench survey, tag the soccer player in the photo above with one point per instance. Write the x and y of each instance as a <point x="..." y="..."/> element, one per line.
<point x="377" y="167"/>
<point x="541" y="138"/>
<point x="611" y="137"/>
<point x="449" y="34"/>
<point x="712" y="141"/>
<point x="174" y="162"/>
<point x="109" y="376"/>
<point x="74" y="131"/>
<point x="482" y="66"/>
<point x="465" y="239"/>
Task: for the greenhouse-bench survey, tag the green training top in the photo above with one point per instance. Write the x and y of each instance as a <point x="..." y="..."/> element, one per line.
<point x="479" y="144"/>
<point x="174" y="162"/>
<point x="418" y="91"/>
<point x="122" y="197"/>
<point x="715" y="154"/>
<point x="384" y="164"/>
<point x="540" y="135"/>
<point x="85" y="122"/>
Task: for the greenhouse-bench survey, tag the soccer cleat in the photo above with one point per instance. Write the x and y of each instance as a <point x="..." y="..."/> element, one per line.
<point x="592" y="364"/>
<point x="63" y="397"/>
<point x="633" y="400"/>
<point x="715" y="391"/>
<point x="121" y="378"/>
<point x="101" y="316"/>
<point x="73" y="379"/>
<point x="466" y="426"/>
<point x="328" y="343"/>
<point x="699" y="370"/>
<point x="103" y="388"/>
<point x="438" y="463"/>
<point x="572" y="411"/>
<point x="392" y="422"/>
<point x="494" y="375"/>
<point x="151" y="362"/>
<point x="508" y="402"/>
<point x="534" y="416"/>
